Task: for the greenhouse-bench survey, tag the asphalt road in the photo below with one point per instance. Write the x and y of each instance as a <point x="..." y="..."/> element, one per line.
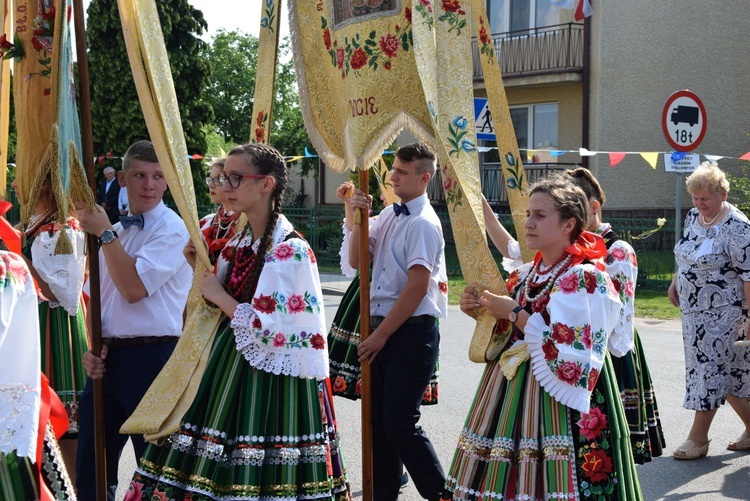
<point x="722" y="475"/>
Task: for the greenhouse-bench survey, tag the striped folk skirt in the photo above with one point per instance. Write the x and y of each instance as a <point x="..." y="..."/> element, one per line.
<point x="64" y="342"/>
<point x="639" y="401"/>
<point x="248" y="435"/>
<point x="343" y="340"/>
<point x="520" y="443"/>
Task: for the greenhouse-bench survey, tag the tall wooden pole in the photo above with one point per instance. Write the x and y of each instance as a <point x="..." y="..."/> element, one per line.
<point x="87" y="143"/>
<point x="364" y="331"/>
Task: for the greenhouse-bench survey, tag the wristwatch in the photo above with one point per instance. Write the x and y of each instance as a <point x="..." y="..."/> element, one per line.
<point x="107" y="237"/>
<point x="513" y="315"/>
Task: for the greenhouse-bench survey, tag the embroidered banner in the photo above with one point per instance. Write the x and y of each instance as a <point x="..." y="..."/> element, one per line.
<point x="268" y="50"/>
<point x="170" y="395"/>
<point x="358" y="82"/>
<point x="6" y="37"/>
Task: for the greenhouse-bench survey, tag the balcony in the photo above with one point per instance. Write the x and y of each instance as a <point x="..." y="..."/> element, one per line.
<point x="536" y="51"/>
<point x="493" y="187"/>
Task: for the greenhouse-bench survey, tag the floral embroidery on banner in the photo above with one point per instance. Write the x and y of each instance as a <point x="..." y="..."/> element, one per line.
<point x="485" y="42"/>
<point x="10" y="49"/>
<point x="454" y="15"/>
<point x="424" y="8"/>
<point x="375" y="50"/>
<point x="453" y="193"/>
<point x="260" y="127"/>
<point x="456" y="132"/>
<point x="514" y="179"/>
<point x="44" y="26"/>
<point x="268" y="17"/>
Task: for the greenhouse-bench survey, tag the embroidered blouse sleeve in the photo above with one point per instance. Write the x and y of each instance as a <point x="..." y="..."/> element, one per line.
<point x="568" y="351"/>
<point x="622" y="268"/>
<point x="283" y="330"/>
<point x="64" y="273"/>
<point x="347" y="270"/>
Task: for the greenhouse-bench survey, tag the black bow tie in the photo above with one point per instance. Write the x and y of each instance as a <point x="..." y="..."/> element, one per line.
<point x="128" y="221"/>
<point x="401" y="209"/>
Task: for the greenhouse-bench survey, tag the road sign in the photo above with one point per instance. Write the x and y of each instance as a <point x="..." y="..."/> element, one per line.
<point x="686" y="164"/>
<point x="684" y="120"/>
<point x="483" y="119"/>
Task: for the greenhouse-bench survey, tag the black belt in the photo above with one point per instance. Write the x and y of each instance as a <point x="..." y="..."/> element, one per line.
<point x="137" y="342"/>
<point x="376" y="320"/>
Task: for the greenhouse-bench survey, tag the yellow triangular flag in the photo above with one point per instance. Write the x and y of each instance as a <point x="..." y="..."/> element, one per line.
<point x="651" y="157"/>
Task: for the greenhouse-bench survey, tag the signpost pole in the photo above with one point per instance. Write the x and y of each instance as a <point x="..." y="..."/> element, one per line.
<point x="678" y="210"/>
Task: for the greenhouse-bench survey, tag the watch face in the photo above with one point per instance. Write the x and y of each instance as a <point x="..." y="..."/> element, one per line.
<point x="512" y="316"/>
<point x="107" y="236"/>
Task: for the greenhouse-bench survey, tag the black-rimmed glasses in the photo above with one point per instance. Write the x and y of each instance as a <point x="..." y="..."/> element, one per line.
<point x="214" y="181"/>
<point x="234" y="180"/>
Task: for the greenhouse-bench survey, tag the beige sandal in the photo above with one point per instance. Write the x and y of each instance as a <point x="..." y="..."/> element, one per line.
<point x="688" y="450"/>
<point x="741" y="444"/>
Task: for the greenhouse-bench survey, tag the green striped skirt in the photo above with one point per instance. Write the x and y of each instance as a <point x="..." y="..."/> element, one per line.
<point x="639" y="401"/>
<point x="63" y="344"/>
<point x="249" y="435"/>
<point x="520" y="443"/>
<point x="343" y="340"/>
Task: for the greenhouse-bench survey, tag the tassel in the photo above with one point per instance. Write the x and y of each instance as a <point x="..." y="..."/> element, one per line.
<point x="63" y="246"/>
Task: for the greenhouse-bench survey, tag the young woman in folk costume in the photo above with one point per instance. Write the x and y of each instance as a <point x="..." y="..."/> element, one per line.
<point x="344" y="336"/>
<point x="62" y="321"/>
<point x="547" y="419"/>
<point x="262" y="423"/>
<point x="628" y="358"/>
<point x="218" y="228"/>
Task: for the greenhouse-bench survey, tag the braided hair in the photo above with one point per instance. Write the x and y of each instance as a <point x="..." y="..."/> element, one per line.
<point x="265" y="160"/>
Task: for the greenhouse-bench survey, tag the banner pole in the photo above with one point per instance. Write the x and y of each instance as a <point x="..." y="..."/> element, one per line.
<point x="364" y="329"/>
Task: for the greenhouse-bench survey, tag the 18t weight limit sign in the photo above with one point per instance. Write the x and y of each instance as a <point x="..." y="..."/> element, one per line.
<point x="684" y="120"/>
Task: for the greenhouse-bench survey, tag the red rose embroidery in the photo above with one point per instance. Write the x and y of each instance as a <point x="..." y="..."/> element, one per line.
<point x="264" y="304"/>
<point x="37" y="44"/>
<point x="358" y="387"/>
<point x="279" y="340"/>
<point x="570" y="372"/>
<point x="340" y="56"/>
<point x="257" y="323"/>
<point x="389" y="45"/>
<point x="569" y="283"/>
<point x="596" y="465"/>
<point x="259" y="135"/>
<point x="339" y="384"/>
<point x="592" y="424"/>
<point x="50" y="14"/>
<point x="619" y="254"/>
<point x="259" y="120"/>
<point x="540" y="305"/>
<point x="296" y="303"/>
<point x="5" y="44"/>
<point x="563" y="334"/>
<point x="550" y="350"/>
<point x="407" y="14"/>
<point x="327" y="38"/>
<point x="629" y="289"/>
<point x="483" y="35"/>
<point x="387" y="65"/>
<point x="451" y="5"/>
<point x="311" y="255"/>
<point x="590" y="280"/>
<point x="593" y="376"/>
<point x="318" y="342"/>
<point x="586" y="336"/>
<point x="283" y="252"/>
<point x="443" y="287"/>
<point x="427" y="395"/>
<point x="359" y="59"/>
<point x="617" y="284"/>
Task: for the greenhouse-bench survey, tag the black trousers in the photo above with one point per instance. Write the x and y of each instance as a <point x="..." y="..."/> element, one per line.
<point x="400" y="374"/>
<point x="130" y="372"/>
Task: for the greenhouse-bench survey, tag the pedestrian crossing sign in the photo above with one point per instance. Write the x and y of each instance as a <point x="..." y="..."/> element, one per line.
<point x="483" y="119"/>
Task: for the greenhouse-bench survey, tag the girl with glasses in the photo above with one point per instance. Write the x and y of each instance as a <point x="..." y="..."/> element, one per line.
<point x="217" y="228"/>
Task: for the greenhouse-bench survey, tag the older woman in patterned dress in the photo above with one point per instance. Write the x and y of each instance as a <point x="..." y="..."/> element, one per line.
<point x="711" y="288"/>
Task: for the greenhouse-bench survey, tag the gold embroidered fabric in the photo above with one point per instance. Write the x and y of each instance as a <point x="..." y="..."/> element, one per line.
<point x="268" y="49"/>
<point x="159" y="413"/>
<point x="357" y="77"/>
<point x="4" y="97"/>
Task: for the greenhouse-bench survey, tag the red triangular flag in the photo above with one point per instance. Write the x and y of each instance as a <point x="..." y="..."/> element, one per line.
<point x="615" y="157"/>
<point x="746" y="156"/>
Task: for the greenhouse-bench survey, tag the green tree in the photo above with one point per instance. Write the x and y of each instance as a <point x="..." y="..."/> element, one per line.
<point x="234" y="56"/>
<point x="116" y="112"/>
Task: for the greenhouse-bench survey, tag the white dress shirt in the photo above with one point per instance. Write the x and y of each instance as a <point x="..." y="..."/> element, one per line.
<point x="400" y="242"/>
<point x="122" y="199"/>
<point x="167" y="276"/>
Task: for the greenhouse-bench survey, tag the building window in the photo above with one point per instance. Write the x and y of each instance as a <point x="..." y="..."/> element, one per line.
<point x="536" y="128"/>
<point x="518" y="15"/>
